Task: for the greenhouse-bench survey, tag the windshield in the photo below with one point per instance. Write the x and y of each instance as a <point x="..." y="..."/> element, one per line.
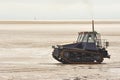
<point x="80" y="37"/>
<point x="87" y="37"/>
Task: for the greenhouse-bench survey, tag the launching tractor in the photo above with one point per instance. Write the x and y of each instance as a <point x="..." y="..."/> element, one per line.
<point x="89" y="48"/>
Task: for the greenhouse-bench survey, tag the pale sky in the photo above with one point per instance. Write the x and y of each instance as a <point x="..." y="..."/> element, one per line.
<point x="59" y="9"/>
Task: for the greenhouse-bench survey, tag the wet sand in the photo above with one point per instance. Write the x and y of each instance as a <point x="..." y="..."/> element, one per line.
<point x="26" y="55"/>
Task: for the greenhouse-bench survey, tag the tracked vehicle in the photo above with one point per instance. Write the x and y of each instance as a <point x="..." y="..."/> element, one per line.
<point x="89" y="48"/>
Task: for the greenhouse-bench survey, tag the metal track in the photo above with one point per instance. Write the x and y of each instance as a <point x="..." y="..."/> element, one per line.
<point x="65" y="60"/>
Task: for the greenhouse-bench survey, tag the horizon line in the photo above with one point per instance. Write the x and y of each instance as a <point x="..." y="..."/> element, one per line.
<point x="59" y="21"/>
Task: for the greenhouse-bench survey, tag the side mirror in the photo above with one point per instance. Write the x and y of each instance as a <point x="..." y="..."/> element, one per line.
<point x="107" y="44"/>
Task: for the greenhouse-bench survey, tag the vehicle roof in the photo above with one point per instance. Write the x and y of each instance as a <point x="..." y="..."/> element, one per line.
<point x="86" y="32"/>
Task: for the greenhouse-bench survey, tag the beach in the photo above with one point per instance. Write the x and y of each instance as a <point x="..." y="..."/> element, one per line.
<point x="26" y="52"/>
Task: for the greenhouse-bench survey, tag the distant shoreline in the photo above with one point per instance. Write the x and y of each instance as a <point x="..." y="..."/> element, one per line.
<point x="58" y="22"/>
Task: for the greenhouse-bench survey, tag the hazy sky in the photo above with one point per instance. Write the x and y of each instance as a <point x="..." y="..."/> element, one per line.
<point x="59" y="9"/>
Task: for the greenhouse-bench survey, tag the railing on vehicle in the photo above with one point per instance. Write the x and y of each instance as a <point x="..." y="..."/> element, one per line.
<point x="102" y="43"/>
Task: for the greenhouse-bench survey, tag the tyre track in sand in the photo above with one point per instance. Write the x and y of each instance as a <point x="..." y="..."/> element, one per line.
<point x="55" y="67"/>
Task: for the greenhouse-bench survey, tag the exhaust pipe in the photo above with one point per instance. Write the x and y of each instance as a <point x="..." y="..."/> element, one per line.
<point x="93" y="25"/>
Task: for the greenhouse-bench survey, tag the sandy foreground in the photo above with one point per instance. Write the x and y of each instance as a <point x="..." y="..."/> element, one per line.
<point x="26" y="55"/>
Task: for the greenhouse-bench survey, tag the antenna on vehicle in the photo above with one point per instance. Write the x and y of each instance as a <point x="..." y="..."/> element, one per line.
<point x="93" y="25"/>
